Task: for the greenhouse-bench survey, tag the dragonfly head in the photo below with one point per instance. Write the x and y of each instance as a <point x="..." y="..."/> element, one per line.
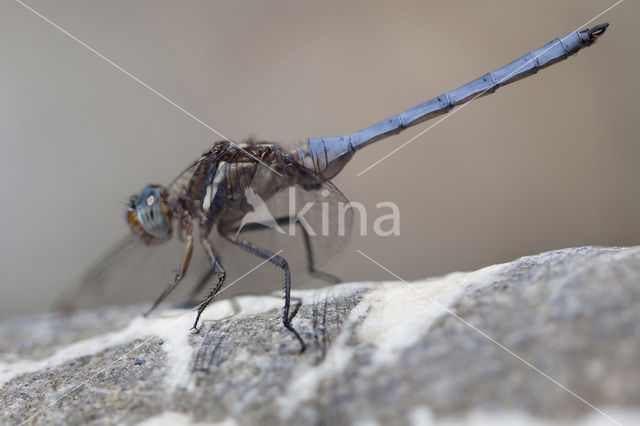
<point x="149" y="215"/>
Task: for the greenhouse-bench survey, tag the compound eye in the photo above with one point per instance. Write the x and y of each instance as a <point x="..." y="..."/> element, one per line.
<point x="150" y="212"/>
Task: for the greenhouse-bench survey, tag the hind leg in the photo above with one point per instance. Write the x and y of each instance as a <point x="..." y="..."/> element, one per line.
<point x="281" y="263"/>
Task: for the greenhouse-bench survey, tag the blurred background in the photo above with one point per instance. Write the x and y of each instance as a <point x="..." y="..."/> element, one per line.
<point x="547" y="163"/>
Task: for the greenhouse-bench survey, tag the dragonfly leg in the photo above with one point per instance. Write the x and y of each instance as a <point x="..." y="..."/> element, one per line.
<point x="281" y="263"/>
<point x="216" y="264"/>
<point x="324" y="276"/>
<point x="186" y="259"/>
<point x="201" y="283"/>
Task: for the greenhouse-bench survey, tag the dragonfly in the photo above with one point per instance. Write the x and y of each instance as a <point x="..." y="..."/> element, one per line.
<point x="241" y="195"/>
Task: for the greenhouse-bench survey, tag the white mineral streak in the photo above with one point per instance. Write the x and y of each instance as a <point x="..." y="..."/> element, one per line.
<point x="422" y="416"/>
<point x="390" y="318"/>
<point x="173" y="418"/>
<point x="401" y="313"/>
<point x="172" y="326"/>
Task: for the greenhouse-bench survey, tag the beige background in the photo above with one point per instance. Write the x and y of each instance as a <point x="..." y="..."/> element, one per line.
<point x="547" y="163"/>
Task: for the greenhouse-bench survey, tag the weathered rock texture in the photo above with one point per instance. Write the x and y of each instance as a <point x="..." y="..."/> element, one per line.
<point x="537" y="340"/>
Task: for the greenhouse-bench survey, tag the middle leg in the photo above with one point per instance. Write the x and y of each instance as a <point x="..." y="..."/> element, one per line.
<point x="216" y="264"/>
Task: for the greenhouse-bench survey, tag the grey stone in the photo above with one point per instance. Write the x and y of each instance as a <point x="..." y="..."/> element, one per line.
<point x="546" y="337"/>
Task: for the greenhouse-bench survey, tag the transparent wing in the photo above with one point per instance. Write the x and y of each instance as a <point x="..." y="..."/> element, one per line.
<point x="134" y="273"/>
<point x="131" y="272"/>
<point x="308" y="224"/>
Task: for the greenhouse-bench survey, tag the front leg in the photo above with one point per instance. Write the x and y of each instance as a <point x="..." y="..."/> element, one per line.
<point x="186" y="259"/>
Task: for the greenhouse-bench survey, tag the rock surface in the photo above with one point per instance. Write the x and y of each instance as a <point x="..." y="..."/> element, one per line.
<point x="546" y="338"/>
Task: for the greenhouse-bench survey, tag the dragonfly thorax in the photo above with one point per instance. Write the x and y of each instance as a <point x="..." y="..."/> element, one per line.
<point x="249" y="173"/>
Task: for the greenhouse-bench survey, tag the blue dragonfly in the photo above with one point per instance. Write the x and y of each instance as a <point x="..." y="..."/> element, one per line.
<point x="218" y="198"/>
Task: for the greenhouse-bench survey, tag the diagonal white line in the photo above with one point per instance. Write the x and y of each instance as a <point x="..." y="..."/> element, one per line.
<point x="137" y="80"/>
<point x="477" y="96"/>
<point x="147" y="340"/>
<point x="500" y="345"/>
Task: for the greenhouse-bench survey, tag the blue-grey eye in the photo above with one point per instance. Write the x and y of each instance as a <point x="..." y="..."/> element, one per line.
<point x="150" y="214"/>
